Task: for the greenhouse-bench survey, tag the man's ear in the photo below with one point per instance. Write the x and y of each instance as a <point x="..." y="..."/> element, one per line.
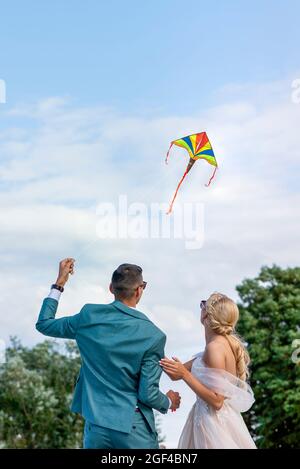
<point x="111" y="288"/>
<point x="138" y="295"/>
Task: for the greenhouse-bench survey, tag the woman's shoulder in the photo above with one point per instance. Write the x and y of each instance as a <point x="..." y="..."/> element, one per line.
<point x="215" y="355"/>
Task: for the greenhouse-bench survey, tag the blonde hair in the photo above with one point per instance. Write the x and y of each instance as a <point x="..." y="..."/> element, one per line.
<point x="222" y="316"/>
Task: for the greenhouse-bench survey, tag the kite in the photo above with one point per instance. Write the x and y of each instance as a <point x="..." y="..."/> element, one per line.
<point x="198" y="147"/>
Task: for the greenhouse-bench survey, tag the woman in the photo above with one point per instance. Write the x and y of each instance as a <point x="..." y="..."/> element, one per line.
<point x="218" y="377"/>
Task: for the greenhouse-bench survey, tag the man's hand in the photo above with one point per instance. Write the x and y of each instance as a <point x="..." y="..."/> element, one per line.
<point x="66" y="267"/>
<point x="175" y="399"/>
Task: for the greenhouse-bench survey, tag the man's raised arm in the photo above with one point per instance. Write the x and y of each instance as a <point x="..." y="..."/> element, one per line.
<point x="47" y="324"/>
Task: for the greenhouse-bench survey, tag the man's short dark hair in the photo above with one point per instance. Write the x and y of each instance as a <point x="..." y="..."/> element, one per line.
<point x="125" y="279"/>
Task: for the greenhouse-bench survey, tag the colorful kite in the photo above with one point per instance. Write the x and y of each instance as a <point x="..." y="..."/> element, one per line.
<point x="199" y="147"/>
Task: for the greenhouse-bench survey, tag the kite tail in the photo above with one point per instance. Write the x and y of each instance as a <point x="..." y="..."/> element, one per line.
<point x="166" y="160"/>
<point x="211" y="178"/>
<point x="177" y="188"/>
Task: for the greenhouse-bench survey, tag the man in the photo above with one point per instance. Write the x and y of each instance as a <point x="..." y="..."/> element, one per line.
<point x="118" y="384"/>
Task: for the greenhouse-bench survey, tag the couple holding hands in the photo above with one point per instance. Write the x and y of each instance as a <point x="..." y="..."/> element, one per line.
<point x="122" y="355"/>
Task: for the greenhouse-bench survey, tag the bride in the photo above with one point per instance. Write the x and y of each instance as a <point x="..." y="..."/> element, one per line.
<point x="218" y="378"/>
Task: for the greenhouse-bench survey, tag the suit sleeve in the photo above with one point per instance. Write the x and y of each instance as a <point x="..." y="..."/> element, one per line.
<point x="64" y="328"/>
<point x="148" y="391"/>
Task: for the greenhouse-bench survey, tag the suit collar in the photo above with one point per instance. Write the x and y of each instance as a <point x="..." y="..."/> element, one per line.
<point x="131" y="311"/>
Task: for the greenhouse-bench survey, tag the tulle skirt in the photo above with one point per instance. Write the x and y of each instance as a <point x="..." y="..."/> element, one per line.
<point x="207" y="428"/>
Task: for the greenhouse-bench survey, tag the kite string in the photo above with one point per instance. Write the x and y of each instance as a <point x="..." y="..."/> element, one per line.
<point x="211" y="178"/>
<point x="180" y="182"/>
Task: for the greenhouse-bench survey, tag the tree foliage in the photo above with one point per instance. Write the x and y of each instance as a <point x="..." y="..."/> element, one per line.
<point x="269" y="322"/>
<point x="36" y="389"/>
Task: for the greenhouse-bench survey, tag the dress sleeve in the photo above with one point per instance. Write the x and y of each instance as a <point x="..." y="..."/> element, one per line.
<point x="237" y="391"/>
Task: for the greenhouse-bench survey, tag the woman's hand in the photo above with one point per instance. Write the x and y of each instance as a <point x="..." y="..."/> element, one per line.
<point x="174" y="368"/>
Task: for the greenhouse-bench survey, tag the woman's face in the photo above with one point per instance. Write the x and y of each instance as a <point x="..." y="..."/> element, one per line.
<point x="203" y="311"/>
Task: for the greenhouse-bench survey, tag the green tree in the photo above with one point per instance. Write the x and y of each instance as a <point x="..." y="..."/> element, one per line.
<point x="36" y="387"/>
<point x="269" y="322"/>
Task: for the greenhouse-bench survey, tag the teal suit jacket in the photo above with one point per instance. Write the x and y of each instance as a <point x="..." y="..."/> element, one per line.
<point x="120" y="349"/>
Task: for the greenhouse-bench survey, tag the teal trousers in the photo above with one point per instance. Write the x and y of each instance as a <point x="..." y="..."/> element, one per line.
<point x="141" y="436"/>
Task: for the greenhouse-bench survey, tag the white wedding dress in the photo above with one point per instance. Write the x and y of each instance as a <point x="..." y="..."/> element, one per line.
<point x="217" y="429"/>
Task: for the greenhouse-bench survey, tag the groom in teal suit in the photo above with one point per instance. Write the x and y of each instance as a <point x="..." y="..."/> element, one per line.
<point x="118" y="384"/>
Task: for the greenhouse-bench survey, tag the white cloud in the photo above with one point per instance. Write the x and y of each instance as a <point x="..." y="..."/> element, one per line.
<point x="60" y="161"/>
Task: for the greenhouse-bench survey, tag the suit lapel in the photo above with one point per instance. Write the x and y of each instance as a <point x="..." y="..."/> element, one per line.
<point x="131" y="311"/>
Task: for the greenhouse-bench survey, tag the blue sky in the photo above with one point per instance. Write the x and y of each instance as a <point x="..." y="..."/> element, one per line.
<point x="96" y="90"/>
<point x="159" y="56"/>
